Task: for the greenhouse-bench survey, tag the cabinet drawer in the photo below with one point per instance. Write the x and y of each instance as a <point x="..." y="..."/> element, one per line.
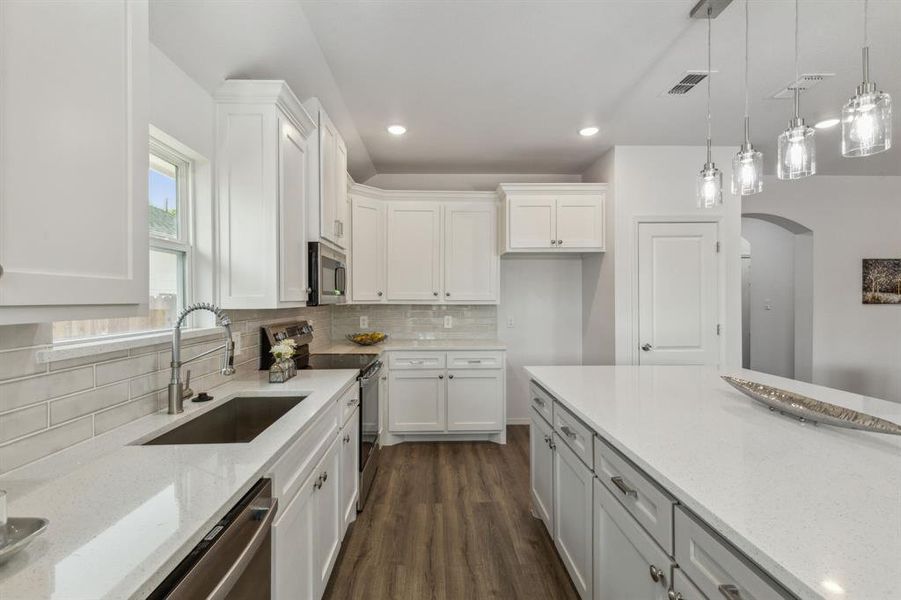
<point x="416" y="360"/>
<point x="716" y="568"/>
<point x="645" y="500"/>
<point x="475" y="360"/>
<point x="542" y="402"/>
<point x="295" y="465"/>
<point x="348" y="402"/>
<point x="576" y="435"/>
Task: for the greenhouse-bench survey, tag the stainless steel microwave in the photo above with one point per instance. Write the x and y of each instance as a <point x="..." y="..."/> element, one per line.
<point x="328" y="275"/>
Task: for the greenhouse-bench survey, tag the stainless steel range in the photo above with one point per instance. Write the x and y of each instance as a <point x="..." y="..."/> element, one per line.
<point x="369" y="367"/>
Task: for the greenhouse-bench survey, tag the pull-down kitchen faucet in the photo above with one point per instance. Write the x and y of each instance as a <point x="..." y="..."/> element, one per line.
<point x="176" y="388"/>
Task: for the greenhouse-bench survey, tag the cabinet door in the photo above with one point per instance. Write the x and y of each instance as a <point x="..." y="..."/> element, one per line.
<point x="74" y="152"/>
<point x="292" y="174"/>
<point x="341" y="208"/>
<point x="368" y="251"/>
<point x="350" y="470"/>
<point x="328" y="518"/>
<point x="541" y="470"/>
<point x="572" y="514"/>
<point x="470" y="253"/>
<point x="475" y="400"/>
<point x="328" y="193"/>
<point x="294" y="574"/>
<point x="416" y="402"/>
<point x="624" y="554"/>
<point x="414" y="246"/>
<point x="580" y="222"/>
<point x="532" y="222"/>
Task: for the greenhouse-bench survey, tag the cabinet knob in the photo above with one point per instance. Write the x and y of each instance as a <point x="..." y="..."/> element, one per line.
<point x="325" y="476"/>
<point x="447" y="294"/>
<point x="539" y="401"/>
<point x="559" y="242"/>
<point x="729" y="591"/>
<point x="435" y="294"/>
<point x="379" y="294"/>
<point x="672" y="594"/>
<point x="568" y="432"/>
<point x="646" y="347"/>
<point x="441" y="377"/>
<point x="553" y="242"/>
<point x="1" y="270"/>
<point x="450" y="376"/>
<point x="657" y="575"/>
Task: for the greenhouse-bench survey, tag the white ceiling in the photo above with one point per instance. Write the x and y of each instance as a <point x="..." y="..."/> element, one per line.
<point x="504" y="86"/>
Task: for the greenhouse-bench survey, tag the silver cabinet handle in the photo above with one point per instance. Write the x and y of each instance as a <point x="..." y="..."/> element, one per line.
<point x="1" y="270"/>
<point x="559" y="242"/>
<point x="568" y="432"/>
<point x="352" y="401"/>
<point x="474" y="362"/>
<point x="657" y="575"/>
<point x="729" y="591"/>
<point x="450" y="376"/>
<point x="553" y="242"/>
<point x="647" y="347"/>
<point x="384" y="378"/>
<point x="325" y="476"/>
<point x="379" y="294"/>
<point x="621" y="484"/>
<point x="539" y="401"/>
<point x="346" y="438"/>
<point x="435" y="294"/>
<point x="441" y="377"/>
<point x="318" y="484"/>
<point x="447" y="294"/>
<point x="672" y="594"/>
<point x="416" y="362"/>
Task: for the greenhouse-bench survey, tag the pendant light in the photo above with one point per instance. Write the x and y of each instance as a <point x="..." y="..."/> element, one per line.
<point x="747" y="166"/>
<point x="867" y="117"/>
<point x="796" y="145"/>
<point x="710" y="179"/>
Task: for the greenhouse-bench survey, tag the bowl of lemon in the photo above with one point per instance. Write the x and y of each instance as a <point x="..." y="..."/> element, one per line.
<point x="367" y="339"/>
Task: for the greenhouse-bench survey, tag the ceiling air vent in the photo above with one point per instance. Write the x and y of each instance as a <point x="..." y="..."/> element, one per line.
<point x="686" y="83"/>
<point x="803" y="83"/>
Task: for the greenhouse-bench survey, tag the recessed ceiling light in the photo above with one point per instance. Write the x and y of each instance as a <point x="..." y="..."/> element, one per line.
<point x="397" y="129"/>
<point x="588" y="131"/>
<point x="827" y="123"/>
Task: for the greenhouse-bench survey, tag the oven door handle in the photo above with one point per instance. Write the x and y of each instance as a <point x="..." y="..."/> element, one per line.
<point x="265" y="515"/>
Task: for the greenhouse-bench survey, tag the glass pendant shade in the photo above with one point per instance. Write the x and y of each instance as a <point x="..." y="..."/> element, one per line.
<point x="710" y="186"/>
<point x="747" y="171"/>
<point x="796" y="151"/>
<point x="867" y="124"/>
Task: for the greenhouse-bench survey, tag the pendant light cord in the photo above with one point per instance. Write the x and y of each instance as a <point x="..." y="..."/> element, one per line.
<point x="797" y="74"/>
<point x="708" y="82"/>
<point x="747" y="67"/>
<point x="866" y="23"/>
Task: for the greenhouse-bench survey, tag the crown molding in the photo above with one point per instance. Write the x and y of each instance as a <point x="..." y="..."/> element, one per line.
<point x="375" y="193"/>
<point x="267" y="91"/>
<point x="551" y="188"/>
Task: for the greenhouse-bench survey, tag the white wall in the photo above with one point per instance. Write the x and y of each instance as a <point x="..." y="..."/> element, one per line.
<point x="542" y="294"/>
<point x="856" y="347"/>
<point x="461" y="181"/>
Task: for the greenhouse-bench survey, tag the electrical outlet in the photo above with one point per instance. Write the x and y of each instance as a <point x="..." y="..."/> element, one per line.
<point x="511" y="322"/>
<point x="364" y="322"/>
<point x="448" y="321"/>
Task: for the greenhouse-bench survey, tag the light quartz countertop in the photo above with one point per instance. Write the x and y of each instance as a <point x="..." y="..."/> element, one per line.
<point x="391" y="344"/>
<point x="122" y="515"/>
<point x="817" y="507"/>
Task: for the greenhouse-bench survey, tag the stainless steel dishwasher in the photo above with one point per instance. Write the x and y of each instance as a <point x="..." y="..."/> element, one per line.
<point x="233" y="561"/>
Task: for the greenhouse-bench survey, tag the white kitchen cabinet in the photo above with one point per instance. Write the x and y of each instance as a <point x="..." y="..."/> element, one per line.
<point x="627" y="562"/>
<point x="327" y="187"/>
<point x="470" y="260"/>
<point x="328" y="518"/>
<point x="262" y="132"/>
<point x="417" y="401"/>
<point x="368" y="250"/>
<point x="556" y="218"/>
<point x="541" y="469"/>
<point x="73" y="159"/>
<point x="414" y="251"/>
<point x="475" y="400"/>
<point x="294" y="575"/>
<point x="572" y="515"/>
<point x="349" y="438"/>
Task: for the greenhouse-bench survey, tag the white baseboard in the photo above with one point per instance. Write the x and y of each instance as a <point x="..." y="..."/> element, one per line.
<point x="518" y="421"/>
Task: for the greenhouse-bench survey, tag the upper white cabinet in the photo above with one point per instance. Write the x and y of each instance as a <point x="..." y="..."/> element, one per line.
<point x="328" y="181"/>
<point x="73" y="159"/>
<point x="262" y="132"/>
<point x="424" y="247"/>
<point x="565" y="217"/>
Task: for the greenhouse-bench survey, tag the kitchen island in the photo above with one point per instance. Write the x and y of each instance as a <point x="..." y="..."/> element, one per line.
<point x="814" y="507"/>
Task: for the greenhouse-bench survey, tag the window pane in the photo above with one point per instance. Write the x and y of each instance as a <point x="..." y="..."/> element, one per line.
<point x="163" y="192"/>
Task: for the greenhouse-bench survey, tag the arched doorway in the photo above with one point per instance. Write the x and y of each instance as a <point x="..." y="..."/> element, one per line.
<point x="777" y="296"/>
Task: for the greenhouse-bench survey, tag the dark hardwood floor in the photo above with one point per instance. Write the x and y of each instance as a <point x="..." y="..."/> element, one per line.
<point x="450" y="521"/>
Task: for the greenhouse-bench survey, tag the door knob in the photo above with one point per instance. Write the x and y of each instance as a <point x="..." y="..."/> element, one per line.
<point x="647" y="347"/>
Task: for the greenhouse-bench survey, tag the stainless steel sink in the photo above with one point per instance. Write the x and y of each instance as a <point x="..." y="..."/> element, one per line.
<point x="238" y="421"/>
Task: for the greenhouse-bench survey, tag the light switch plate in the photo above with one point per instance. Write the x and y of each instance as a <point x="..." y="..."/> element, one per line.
<point x="448" y="321"/>
<point x="364" y="322"/>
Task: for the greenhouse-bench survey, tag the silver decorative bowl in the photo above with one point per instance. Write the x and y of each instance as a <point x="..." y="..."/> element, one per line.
<point x="18" y="533"/>
<point x="808" y="409"/>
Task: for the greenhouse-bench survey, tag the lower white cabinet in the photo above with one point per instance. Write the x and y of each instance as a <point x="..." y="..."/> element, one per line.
<point x="349" y="438"/>
<point x="293" y="546"/>
<point x="541" y="469"/>
<point x="328" y="519"/>
<point x="627" y="562"/>
<point x="416" y="401"/>
<point x="572" y="515"/>
<point x="472" y="400"/>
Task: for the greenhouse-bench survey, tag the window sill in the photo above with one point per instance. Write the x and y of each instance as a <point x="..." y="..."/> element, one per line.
<point x="65" y="351"/>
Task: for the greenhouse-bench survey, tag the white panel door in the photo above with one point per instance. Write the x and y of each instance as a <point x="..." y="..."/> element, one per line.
<point x="414" y="251"/>
<point x="341" y="208"/>
<point x="293" y="550"/>
<point x="292" y="220"/>
<point x="624" y="554"/>
<point x="572" y="515"/>
<point x="328" y="515"/>
<point x="350" y="472"/>
<point x="580" y="222"/>
<point x="470" y="253"/>
<point x="328" y="178"/>
<point x="74" y="151"/>
<point x="541" y="469"/>
<point x="368" y="251"/>
<point x="532" y="222"/>
<point x="475" y="400"/>
<point x="416" y="402"/>
<point x="678" y="293"/>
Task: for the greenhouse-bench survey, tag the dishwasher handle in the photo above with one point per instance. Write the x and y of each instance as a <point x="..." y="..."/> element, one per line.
<point x="265" y="515"/>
